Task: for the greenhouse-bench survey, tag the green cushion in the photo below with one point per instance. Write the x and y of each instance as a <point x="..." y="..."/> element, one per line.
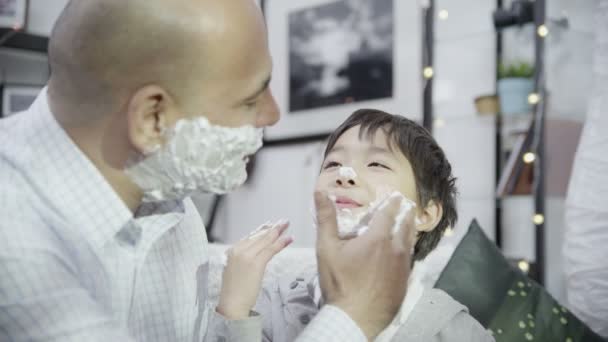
<point x="503" y="299"/>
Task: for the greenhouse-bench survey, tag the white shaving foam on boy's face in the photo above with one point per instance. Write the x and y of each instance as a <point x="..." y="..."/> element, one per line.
<point x="347" y="172"/>
<point x="198" y="157"/>
<point x="350" y="223"/>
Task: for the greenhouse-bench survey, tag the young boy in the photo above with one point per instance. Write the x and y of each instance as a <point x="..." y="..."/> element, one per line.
<point x="374" y="153"/>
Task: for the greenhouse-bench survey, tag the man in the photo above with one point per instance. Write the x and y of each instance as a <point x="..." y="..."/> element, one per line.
<point x="586" y="233"/>
<point x="149" y="101"/>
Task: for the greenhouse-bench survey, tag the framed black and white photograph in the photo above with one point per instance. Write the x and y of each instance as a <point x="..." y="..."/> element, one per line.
<point x="332" y="57"/>
<point x="13" y="14"/>
<point x="17" y="98"/>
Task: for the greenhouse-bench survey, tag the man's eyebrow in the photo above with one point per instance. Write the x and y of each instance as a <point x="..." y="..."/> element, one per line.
<point x="260" y="90"/>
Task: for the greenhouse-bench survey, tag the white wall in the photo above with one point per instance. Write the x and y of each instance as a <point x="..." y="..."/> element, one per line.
<point x="23" y="67"/>
<point x="42" y="15"/>
<point x="30" y="67"/>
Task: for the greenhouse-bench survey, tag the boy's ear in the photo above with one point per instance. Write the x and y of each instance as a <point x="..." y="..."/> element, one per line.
<point x="428" y="217"/>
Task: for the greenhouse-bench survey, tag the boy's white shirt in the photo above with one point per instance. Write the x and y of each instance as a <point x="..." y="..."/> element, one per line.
<point x="413" y="295"/>
<point x="415" y="289"/>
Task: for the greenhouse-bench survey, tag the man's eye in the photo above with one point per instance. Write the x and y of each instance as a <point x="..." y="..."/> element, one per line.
<point x="376" y="164"/>
<point x="331" y="164"/>
<point x="251" y="105"/>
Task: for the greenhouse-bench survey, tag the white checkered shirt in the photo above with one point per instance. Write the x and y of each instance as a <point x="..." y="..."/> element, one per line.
<point x="76" y="265"/>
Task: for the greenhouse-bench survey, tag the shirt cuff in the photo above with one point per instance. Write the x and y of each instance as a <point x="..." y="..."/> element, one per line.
<point x="248" y="329"/>
<point x="332" y="324"/>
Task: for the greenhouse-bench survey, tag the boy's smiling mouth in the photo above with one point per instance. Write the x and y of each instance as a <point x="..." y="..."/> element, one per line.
<point x="343" y="202"/>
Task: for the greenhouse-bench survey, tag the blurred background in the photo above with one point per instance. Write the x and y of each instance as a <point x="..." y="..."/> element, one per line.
<point x="468" y="70"/>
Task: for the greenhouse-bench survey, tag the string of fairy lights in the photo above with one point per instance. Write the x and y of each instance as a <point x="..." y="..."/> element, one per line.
<point x="531" y="157"/>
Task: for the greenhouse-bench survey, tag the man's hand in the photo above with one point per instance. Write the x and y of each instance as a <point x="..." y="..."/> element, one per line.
<point x="247" y="260"/>
<point x="366" y="276"/>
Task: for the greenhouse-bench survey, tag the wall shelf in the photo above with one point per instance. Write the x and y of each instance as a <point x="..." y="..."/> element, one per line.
<point x="23" y="40"/>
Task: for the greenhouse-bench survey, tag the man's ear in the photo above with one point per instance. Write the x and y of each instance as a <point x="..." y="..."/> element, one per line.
<point x="428" y="217"/>
<point x="151" y="111"/>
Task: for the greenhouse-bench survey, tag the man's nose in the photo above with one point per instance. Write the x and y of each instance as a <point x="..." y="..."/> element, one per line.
<point x="269" y="111"/>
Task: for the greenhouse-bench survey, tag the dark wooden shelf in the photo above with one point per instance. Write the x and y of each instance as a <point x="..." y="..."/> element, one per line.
<point x="25" y="41"/>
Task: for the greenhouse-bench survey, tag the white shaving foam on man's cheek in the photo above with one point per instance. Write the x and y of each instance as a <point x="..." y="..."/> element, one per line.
<point x="198" y="156"/>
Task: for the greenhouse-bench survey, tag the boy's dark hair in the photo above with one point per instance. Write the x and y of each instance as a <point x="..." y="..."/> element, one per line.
<point x="432" y="171"/>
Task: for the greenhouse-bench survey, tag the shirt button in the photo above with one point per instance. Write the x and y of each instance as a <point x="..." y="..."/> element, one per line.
<point x="304" y="319"/>
<point x="293" y="285"/>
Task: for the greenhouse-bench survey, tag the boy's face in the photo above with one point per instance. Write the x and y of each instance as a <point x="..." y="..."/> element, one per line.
<point x="379" y="169"/>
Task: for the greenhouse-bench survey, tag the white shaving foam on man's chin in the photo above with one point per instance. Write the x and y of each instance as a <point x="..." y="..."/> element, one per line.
<point x="198" y="157"/>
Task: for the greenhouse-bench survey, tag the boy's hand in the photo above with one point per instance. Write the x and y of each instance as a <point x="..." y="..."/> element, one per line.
<point x="242" y="277"/>
<point x="365" y="276"/>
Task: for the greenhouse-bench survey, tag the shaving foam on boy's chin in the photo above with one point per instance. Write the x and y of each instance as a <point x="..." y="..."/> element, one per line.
<point x="354" y="224"/>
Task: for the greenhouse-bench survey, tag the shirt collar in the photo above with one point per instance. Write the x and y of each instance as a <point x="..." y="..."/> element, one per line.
<point x="415" y="288"/>
<point x="87" y="199"/>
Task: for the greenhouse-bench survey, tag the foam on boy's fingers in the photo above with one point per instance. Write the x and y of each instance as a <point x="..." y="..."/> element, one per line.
<point x="266" y="227"/>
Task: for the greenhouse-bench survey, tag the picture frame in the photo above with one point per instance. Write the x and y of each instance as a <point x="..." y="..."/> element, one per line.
<point x="13" y="14"/>
<point x="16" y="98"/>
<point x="319" y="120"/>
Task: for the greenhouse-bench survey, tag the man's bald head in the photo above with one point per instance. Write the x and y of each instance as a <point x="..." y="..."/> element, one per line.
<point x="101" y="51"/>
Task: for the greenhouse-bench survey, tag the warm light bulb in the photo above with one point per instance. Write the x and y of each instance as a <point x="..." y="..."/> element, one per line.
<point x="444" y="14"/>
<point x="542" y="31"/>
<point x="533" y="98"/>
<point x="538" y="219"/>
<point x="524" y="266"/>
<point x="439" y="122"/>
<point x="529" y="158"/>
<point x="428" y="72"/>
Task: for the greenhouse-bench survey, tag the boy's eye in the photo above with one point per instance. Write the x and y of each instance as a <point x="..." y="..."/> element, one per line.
<point x="331" y="164"/>
<point x="376" y="164"/>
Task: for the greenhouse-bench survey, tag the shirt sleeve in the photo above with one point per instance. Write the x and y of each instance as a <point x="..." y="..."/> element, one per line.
<point x="264" y="306"/>
<point x="584" y="250"/>
<point x="586" y="230"/>
<point x="42" y="300"/>
<point x="332" y="324"/>
<point x="463" y="327"/>
<point x="244" y="330"/>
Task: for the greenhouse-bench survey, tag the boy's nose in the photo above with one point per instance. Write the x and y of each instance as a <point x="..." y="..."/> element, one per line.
<point x="345" y="181"/>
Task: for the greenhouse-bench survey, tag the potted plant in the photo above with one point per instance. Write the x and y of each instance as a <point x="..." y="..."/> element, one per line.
<point x="515" y="84"/>
<point x="487" y="104"/>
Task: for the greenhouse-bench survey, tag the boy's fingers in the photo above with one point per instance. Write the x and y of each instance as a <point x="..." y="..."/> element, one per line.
<point x="268" y="237"/>
<point x="327" y="225"/>
<point x="270" y="251"/>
